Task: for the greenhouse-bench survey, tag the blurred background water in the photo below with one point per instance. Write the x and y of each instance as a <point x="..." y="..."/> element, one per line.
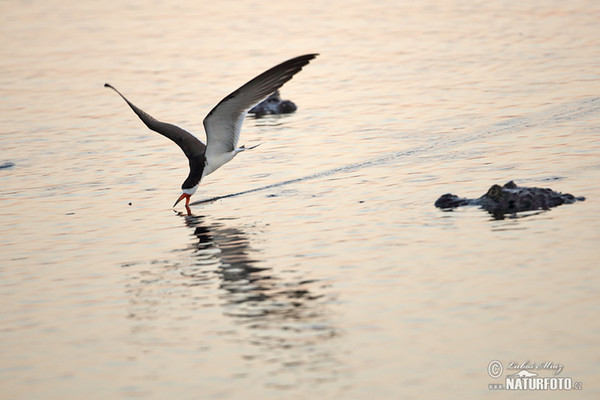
<point x="350" y="284"/>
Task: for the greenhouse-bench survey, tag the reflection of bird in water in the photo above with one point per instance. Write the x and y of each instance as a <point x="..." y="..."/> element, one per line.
<point x="230" y="247"/>
<point x="283" y="314"/>
<point x="241" y="277"/>
<point x="223" y="123"/>
<point x="280" y="318"/>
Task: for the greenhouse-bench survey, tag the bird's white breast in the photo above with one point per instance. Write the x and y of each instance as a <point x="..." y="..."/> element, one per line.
<point x="191" y="190"/>
<point x="215" y="161"/>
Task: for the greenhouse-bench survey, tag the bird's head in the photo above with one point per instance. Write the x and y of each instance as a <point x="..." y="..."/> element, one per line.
<point x="187" y="193"/>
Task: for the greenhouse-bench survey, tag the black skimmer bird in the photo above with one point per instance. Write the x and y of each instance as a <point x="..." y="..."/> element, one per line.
<point x="222" y="124"/>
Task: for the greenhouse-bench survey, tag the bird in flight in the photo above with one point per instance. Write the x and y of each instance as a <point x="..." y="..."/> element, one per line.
<point x="222" y="124"/>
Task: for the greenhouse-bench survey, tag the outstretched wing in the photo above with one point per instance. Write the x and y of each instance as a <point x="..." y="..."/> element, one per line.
<point x="191" y="146"/>
<point x="224" y="122"/>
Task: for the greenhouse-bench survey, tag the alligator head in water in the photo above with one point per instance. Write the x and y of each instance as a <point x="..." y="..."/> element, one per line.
<point x="273" y="105"/>
<point x="510" y="198"/>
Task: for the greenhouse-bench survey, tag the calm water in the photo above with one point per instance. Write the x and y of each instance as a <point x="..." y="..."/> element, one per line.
<point x="346" y="283"/>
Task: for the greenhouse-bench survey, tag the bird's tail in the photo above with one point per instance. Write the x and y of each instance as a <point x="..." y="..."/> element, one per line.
<point x="242" y="148"/>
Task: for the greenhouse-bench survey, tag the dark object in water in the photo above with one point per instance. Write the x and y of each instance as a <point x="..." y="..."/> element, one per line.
<point x="7" y="165"/>
<point x="510" y="198"/>
<point x="273" y="105"/>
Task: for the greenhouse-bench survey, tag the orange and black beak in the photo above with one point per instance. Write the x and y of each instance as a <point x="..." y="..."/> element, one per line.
<point x="183" y="196"/>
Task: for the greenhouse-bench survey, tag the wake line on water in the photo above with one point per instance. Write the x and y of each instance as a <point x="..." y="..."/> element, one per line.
<point x="564" y="112"/>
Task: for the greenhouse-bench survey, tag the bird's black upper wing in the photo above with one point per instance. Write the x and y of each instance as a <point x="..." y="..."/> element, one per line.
<point x="192" y="147"/>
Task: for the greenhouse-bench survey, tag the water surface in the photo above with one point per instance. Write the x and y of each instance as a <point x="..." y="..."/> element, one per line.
<point x="340" y="279"/>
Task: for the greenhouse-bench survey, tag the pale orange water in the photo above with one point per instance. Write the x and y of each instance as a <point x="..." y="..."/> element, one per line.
<point x="346" y="285"/>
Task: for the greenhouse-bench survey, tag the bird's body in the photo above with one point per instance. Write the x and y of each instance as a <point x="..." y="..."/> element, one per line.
<point x="222" y="124"/>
